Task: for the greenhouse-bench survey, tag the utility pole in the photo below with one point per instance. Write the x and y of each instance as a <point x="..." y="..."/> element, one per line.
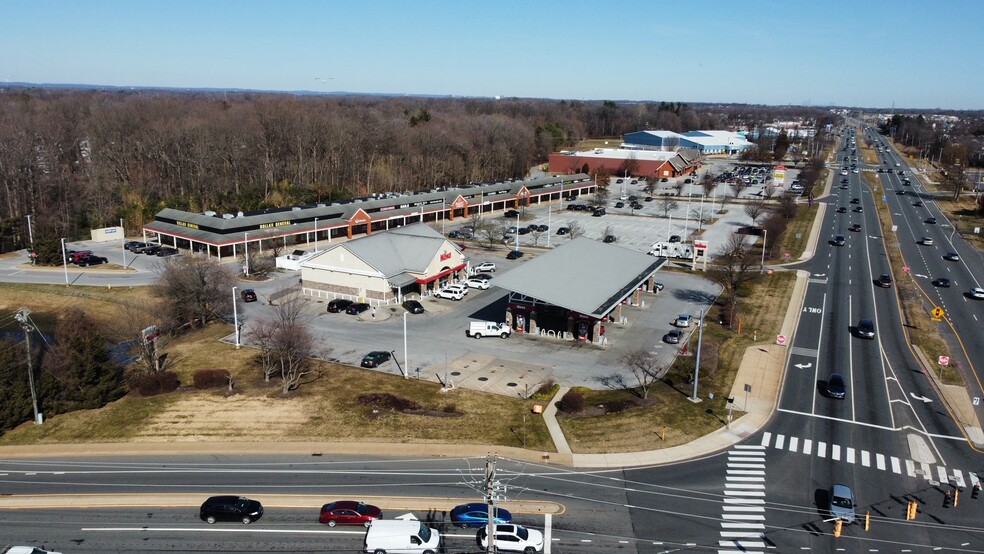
<point x="22" y="317"/>
<point x="490" y="498"/>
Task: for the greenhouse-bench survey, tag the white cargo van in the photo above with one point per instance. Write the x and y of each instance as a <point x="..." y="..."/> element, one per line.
<point x="395" y="536"/>
<point x="479" y="329"/>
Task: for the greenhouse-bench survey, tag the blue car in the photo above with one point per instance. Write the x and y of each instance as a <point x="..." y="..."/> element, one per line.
<point x="476" y="514"/>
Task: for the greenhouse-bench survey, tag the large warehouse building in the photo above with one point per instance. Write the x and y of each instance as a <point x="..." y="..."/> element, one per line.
<point x="705" y="142"/>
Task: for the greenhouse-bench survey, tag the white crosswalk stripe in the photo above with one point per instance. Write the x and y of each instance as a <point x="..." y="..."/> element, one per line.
<point x="898" y="466"/>
<point x="743" y="509"/>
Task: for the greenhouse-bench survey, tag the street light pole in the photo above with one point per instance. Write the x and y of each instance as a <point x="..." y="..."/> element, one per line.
<point x="406" y="364"/>
<point x="765" y="239"/>
<point x="64" y="260"/>
<point x="30" y="232"/>
<point x="517" y="231"/>
<point x="315" y="234"/>
<point x="700" y="338"/>
<point x="123" y="241"/>
<point x="235" y="315"/>
<point x="246" y="256"/>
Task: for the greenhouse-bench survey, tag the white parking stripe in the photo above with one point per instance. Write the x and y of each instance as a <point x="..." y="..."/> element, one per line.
<point x="835" y="452"/>
<point x="880" y="461"/>
<point x="793" y="443"/>
<point x="780" y="441"/>
<point x="896" y="465"/>
<point x="766" y="437"/>
<point x="865" y="458"/>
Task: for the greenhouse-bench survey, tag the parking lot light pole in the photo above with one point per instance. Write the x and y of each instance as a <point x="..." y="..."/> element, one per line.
<point x="700" y="337"/>
<point x="315" y="234"/>
<point x="406" y="364"/>
<point x="235" y="315"/>
<point x="123" y="241"/>
<point x="64" y="260"/>
<point x="517" y="231"/>
<point x="246" y="255"/>
<point x="765" y="238"/>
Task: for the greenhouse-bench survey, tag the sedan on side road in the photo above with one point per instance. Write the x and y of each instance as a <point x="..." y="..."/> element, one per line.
<point x="338" y="305"/>
<point x="357" y="308"/>
<point x="230" y="508"/>
<point x="86" y="261"/>
<point x="683" y="320"/>
<point x="842" y="503"/>
<point x="839" y="240"/>
<point x="674" y="336"/>
<point x="375" y="359"/>
<point x="349" y="512"/>
<point x="248" y="295"/>
<point x="476" y="514"/>
<point x="952" y="257"/>
<point x="413" y="307"/>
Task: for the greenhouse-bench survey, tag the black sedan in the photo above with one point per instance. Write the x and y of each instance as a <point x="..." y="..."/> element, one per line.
<point x="86" y="261"/>
<point x="942" y="282"/>
<point x="230" y="508"/>
<point x="413" y="307"/>
<point x="338" y="305"/>
<point x="248" y="295"/>
<point x="151" y="250"/>
<point x="356" y="308"/>
<point x="375" y="358"/>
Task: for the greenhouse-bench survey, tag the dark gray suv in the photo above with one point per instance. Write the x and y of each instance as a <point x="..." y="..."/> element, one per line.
<point x="866" y="329"/>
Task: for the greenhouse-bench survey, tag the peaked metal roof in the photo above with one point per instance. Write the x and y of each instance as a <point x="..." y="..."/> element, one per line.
<point x="584" y="275"/>
<point x="405" y="249"/>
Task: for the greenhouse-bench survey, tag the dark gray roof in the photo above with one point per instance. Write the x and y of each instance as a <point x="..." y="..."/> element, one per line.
<point x="404" y="249"/>
<point x="584" y="275"/>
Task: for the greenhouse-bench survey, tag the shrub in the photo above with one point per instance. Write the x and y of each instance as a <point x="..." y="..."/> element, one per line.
<point x="616" y="406"/>
<point x="158" y="383"/>
<point x="546" y="391"/>
<point x="388" y="401"/>
<point x="572" y="402"/>
<point x="211" y="378"/>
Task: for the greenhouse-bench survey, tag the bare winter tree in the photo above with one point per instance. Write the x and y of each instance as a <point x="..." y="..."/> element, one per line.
<point x="737" y="187"/>
<point x="194" y="290"/>
<point x="955" y="180"/>
<point x="708" y="182"/>
<point x="755" y="211"/>
<point x="575" y="230"/>
<point x="607" y="231"/>
<point x="144" y="328"/>
<point x="600" y="198"/>
<point x="667" y="204"/>
<point x="536" y="235"/>
<point x="769" y="191"/>
<point x="493" y="233"/>
<point x="286" y="345"/>
<point x="645" y="369"/>
<point x="701" y="214"/>
<point x="734" y="267"/>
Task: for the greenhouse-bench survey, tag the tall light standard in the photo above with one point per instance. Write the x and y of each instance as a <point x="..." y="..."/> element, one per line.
<point x="700" y="338"/>
<point x="30" y="232"/>
<point x="123" y="241"/>
<point x="64" y="260"/>
<point x="517" y="231"/>
<point x="765" y="239"/>
<point x="246" y="256"/>
<point x="235" y="316"/>
<point x="406" y="364"/>
<point x="315" y="234"/>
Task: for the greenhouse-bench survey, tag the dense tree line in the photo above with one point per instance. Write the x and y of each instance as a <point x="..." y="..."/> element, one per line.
<point x="76" y="160"/>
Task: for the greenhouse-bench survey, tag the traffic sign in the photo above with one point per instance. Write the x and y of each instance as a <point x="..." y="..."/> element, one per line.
<point x="944" y="360"/>
<point x="937" y="312"/>
<point x="906" y="269"/>
<point x="786" y="255"/>
<point x="781" y="340"/>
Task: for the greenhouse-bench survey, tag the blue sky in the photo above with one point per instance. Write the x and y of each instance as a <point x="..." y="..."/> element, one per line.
<point x="871" y="53"/>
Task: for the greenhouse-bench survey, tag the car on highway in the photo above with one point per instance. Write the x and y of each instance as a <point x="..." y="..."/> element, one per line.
<point x="842" y="210"/>
<point x="842" y="503"/>
<point x="248" y="295"/>
<point x="34" y="550"/>
<point x="976" y="293"/>
<point x="476" y="514"/>
<point x="514" y="255"/>
<point x="836" y="387"/>
<point x="349" y="512"/>
<point x="952" y="257"/>
<point x="918" y="203"/>
<point x="941" y="282"/>
<point x="855" y="201"/>
<point x="413" y="306"/>
<point x="338" y="305"/>
<point x="91" y="259"/>
<point x="356" y="308"/>
<point x="512" y="538"/>
<point x="884" y="281"/>
<point x="931" y="221"/>
<point x="866" y="329"/>
<point x="674" y="336"/>
<point x="926" y="241"/>
<point x="858" y="209"/>
<point x="839" y="240"/>
<point x="856" y="228"/>
<point x="230" y="508"/>
<point x="477" y="283"/>
<point x="375" y="359"/>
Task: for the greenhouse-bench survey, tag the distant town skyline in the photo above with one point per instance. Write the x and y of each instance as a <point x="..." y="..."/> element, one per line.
<point x="875" y="54"/>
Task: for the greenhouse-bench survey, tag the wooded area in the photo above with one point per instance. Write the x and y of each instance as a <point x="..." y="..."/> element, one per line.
<point x="76" y="160"/>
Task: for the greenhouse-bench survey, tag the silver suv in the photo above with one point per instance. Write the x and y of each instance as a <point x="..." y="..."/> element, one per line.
<point x="842" y="503"/>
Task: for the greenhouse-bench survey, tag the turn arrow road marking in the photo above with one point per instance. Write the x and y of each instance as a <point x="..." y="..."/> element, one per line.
<point x="923" y="398"/>
<point x="804" y="366"/>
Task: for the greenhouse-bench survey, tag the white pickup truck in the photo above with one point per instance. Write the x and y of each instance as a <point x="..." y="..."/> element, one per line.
<point x="478" y="329"/>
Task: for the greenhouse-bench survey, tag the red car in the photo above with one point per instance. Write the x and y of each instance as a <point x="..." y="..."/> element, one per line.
<point x="349" y="512"/>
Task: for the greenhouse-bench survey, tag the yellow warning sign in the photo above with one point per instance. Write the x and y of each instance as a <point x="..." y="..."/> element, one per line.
<point x="937" y="312"/>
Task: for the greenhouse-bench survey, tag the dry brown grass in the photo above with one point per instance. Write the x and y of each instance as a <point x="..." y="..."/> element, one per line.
<point x="47" y="301"/>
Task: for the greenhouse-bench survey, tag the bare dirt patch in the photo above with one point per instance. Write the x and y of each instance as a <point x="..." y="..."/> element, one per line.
<point x="208" y="416"/>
